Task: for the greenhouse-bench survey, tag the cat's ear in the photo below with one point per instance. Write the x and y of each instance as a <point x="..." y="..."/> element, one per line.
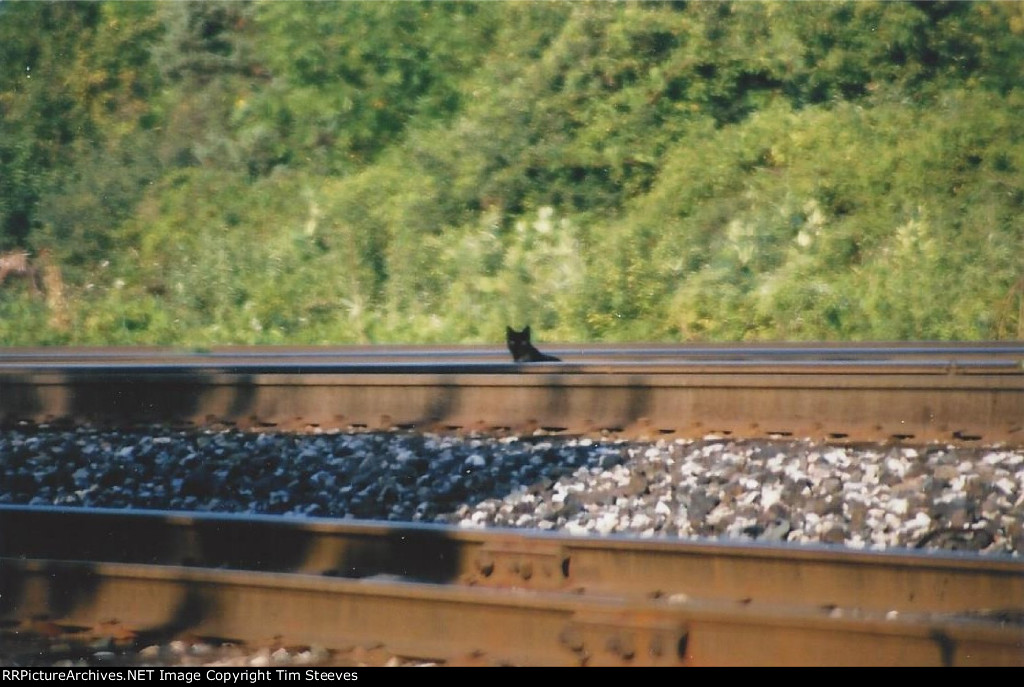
<point x="526" y="331"/>
<point x="509" y="331"/>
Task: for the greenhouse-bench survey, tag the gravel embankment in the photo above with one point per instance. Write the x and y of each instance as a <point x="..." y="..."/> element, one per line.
<point x="797" y="491"/>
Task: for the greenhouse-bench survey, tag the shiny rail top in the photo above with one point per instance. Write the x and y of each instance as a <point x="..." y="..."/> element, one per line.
<point x="996" y="357"/>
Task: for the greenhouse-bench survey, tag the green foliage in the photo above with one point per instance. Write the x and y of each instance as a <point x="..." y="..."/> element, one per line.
<point x="341" y="81"/>
<point x="75" y="102"/>
<point x="843" y="222"/>
<point x="39" y="117"/>
<point x="267" y="172"/>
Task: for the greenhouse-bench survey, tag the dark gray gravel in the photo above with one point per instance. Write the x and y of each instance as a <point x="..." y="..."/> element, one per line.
<point x="798" y="491"/>
<point x="362" y="475"/>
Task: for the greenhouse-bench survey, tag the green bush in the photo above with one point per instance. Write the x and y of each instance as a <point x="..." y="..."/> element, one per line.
<point x="415" y="172"/>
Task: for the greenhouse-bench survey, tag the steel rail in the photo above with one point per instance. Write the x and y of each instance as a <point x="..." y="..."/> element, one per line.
<point x="1009" y="349"/>
<point x="817" y="367"/>
<point x="754" y="574"/>
<point x="454" y="360"/>
<point x="493" y="626"/>
<point x="920" y="401"/>
<point x="945" y="357"/>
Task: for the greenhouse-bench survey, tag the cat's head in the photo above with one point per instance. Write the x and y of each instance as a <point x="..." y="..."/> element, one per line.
<point x="519" y="338"/>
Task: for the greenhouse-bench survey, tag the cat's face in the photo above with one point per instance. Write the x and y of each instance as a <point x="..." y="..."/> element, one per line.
<point x="518" y="342"/>
<point x="515" y="338"/>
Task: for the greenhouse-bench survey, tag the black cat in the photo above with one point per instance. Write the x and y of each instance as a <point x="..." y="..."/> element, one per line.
<point x="522" y="350"/>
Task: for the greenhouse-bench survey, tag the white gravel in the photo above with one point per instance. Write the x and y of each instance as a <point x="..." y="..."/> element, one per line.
<point x="864" y="497"/>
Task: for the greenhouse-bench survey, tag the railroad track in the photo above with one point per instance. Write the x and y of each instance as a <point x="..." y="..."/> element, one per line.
<point x="950" y="393"/>
<point x="502" y="597"/>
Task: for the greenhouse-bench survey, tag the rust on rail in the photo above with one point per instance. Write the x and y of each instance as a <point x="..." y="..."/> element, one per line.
<point x="758" y="574"/>
<point x="501" y="626"/>
<point x="973" y="400"/>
